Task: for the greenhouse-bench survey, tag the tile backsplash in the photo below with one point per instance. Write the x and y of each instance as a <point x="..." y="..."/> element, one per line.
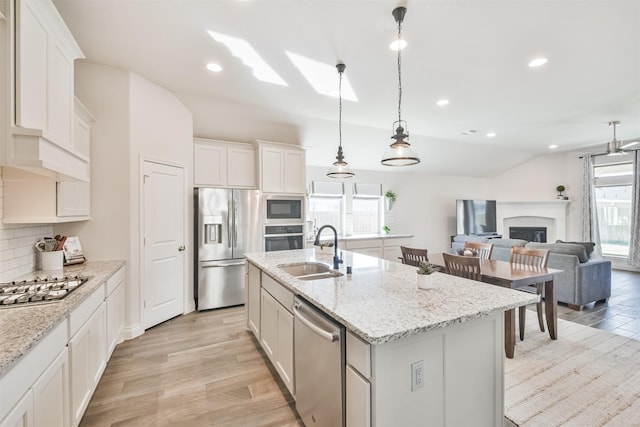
<point x="17" y="251"/>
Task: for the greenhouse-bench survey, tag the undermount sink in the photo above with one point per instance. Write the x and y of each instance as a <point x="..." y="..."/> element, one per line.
<point x="310" y="271"/>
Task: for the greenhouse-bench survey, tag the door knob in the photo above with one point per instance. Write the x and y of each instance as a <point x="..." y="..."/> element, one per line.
<point x="181" y="248"/>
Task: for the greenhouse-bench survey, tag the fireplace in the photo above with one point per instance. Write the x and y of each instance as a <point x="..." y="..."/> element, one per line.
<point x="530" y="234"/>
<point x="552" y="214"/>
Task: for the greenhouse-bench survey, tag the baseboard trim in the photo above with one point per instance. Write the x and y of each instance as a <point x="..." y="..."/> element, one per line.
<point x="131" y="332"/>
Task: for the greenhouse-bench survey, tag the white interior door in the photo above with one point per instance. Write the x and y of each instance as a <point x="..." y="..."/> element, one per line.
<point x="164" y="242"/>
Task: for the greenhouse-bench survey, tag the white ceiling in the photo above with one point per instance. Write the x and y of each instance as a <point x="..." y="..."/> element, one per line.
<point x="474" y="53"/>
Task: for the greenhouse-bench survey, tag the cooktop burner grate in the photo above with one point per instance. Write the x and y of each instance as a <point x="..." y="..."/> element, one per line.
<point x="38" y="291"/>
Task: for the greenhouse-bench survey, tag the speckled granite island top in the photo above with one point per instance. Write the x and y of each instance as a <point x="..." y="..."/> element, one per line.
<point x="21" y="328"/>
<point x="380" y="301"/>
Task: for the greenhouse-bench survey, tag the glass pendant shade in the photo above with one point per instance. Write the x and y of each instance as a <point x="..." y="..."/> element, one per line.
<point x="400" y="152"/>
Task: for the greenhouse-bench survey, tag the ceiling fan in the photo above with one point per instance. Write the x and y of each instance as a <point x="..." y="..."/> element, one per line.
<point x="615" y="146"/>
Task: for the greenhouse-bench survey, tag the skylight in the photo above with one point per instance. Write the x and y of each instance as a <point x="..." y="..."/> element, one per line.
<point x="322" y="77"/>
<point x="242" y="49"/>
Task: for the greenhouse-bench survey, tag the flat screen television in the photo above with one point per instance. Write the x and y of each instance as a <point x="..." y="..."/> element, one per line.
<point x="476" y="217"/>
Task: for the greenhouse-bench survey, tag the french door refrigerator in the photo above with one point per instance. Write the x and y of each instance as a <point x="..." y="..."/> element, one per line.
<point x="227" y="225"/>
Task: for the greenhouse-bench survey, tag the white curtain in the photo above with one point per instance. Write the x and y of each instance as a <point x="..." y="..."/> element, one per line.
<point x="589" y="230"/>
<point x="634" y="244"/>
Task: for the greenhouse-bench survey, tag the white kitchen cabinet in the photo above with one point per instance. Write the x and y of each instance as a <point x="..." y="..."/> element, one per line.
<point x="358" y="400"/>
<point x="371" y="247"/>
<point x="50" y="394"/>
<point x="32" y="198"/>
<point x="282" y="168"/>
<point x="276" y="332"/>
<point x="253" y="299"/>
<point x="392" y="245"/>
<point x="358" y="385"/>
<point x="115" y="301"/>
<point x="39" y="380"/>
<point x="87" y="351"/>
<point x="223" y="164"/>
<point x="22" y="413"/>
<point x="42" y="77"/>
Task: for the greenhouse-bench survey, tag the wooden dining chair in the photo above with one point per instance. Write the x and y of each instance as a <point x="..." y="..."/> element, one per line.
<point x="463" y="266"/>
<point x="484" y="249"/>
<point x="413" y="256"/>
<point x="533" y="258"/>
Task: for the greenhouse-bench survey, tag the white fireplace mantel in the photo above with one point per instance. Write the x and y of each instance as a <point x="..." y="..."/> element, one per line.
<point x="554" y="211"/>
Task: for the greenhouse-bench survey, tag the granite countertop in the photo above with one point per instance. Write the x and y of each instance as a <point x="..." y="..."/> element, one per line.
<point x="380" y="301"/>
<point x="21" y="328"/>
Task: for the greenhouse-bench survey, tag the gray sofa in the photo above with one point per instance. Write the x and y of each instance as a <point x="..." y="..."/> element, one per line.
<point x="582" y="281"/>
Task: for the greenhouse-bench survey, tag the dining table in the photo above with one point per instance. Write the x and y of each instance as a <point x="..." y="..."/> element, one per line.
<point x="515" y="276"/>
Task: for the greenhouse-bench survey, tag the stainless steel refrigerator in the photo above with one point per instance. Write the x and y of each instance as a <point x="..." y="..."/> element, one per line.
<point x="227" y="225"/>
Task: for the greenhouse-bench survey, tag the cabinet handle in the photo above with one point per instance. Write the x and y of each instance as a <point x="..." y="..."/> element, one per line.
<point x="181" y="248"/>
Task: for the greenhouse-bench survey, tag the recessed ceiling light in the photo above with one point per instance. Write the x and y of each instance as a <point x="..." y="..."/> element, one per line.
<point x="398" y="44"/>
<point x="538" y="62"/>
<point x="553" y="147"/>
<point x="491" y="134"/>
<point x="212" y="66"/>
<point x="442" y="102"/>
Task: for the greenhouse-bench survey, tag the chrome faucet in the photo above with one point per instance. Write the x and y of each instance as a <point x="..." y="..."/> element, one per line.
<point x="336" y="261"/>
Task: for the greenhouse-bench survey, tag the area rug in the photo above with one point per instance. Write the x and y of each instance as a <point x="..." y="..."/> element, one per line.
<point x="588" y="377"/>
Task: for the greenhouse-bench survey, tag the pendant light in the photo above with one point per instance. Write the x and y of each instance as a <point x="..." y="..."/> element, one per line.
<point x="614" y="147"/>
<point x="400" y="152"/>
<point x="340" y="168"/>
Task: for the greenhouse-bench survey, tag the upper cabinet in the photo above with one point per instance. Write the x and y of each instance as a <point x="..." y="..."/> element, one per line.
<point x="223" y="164"/>
<point x="282" y="168"/>
<point x="41" y="70"/>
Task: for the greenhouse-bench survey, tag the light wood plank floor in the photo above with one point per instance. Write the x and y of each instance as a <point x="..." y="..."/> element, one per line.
<point x="200" y="369"/>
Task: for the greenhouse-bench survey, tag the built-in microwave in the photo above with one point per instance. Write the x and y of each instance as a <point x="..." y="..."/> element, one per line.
<point x="284" y="209"/>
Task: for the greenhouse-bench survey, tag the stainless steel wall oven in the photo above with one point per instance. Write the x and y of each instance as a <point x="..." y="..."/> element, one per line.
<point x="283" y="237"/>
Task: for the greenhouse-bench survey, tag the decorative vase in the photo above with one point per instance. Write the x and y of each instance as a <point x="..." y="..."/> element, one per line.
<point x="388" y="203"/>
<point x="425" y="281"/>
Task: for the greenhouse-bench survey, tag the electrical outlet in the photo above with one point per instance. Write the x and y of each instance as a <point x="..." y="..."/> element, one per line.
<point x="417" y="375"/>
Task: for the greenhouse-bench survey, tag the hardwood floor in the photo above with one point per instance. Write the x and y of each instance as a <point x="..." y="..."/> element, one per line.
<point x="200" y="369"/>
<point x="206" y="369"/>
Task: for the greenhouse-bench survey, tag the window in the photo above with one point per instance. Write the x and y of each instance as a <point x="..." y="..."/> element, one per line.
<point x="366" y="208"/>
<point x="613" y="203"/>
<point x="326" y="210"/>
<point x="366" y="215"/>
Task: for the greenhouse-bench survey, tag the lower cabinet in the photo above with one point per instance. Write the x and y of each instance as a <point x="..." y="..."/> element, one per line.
<point x="50" y="404"/>
<point x="253" y="299"/>
<point x="115" y="310"/>
<point x="88" y="358"/>
<point x="276" y="328"/>
<point x="358" y="385"/>
<point x="22" y="413"/>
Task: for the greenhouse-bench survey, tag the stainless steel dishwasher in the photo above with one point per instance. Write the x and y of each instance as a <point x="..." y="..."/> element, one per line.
<point x="319" y="360"/>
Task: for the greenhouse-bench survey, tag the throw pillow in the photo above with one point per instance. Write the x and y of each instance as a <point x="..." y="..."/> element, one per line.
<point x="588" y="246"/>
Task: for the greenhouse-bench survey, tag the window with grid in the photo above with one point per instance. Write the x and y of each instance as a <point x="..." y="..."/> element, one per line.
<point x="613" y="183"/>
<point x="325" y="210"/>
<point x="366" y="208"/>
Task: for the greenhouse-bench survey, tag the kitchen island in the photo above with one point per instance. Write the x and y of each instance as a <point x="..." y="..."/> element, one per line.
<point x="451" y="337"/>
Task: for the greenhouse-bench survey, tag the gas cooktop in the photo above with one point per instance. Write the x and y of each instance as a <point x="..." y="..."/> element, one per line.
<point x="38" y="291"/>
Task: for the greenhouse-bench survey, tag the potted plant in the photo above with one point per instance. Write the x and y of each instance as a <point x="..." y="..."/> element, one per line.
<point x="425" y="270"/>
<point x="389" y="199"/>
<point x="386" y="229"/>
<point x="560" y="189"/>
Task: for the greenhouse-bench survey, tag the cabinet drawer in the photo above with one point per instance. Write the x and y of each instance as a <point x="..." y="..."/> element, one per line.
<point x="80" y="315"/>
<point x="359" y="355"/>
<point x="279" y="292"/>
<point x="114" y="281"/>
<point x="358" y="400"/>
<point x="362" y="244"/>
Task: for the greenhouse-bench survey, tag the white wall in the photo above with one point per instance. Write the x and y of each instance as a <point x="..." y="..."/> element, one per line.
<point x="135" y="120"/>
<point x="18" y="255"/>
